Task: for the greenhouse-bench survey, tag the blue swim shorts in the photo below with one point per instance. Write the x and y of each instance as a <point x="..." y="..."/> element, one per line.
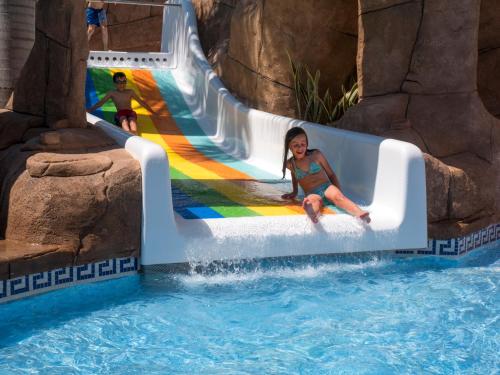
<point x="96" y="16"/>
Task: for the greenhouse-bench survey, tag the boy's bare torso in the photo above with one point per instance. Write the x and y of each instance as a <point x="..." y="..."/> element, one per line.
<point x="122" y="99"/>
<point x="96" y="4"/>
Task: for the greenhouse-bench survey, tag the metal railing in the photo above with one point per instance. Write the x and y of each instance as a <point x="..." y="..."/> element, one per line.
<point x="146" y="3"/>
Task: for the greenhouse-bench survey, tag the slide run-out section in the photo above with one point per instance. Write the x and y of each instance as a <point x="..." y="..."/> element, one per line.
<point x="211" y="166"/>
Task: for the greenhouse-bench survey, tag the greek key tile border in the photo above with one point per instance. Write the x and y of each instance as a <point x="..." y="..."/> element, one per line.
<point x="27" y="285"/>
<point x="459" y="246"/>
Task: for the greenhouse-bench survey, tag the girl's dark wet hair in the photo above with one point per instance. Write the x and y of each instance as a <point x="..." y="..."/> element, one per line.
<point x="118" y="75"/>
<point x="291" y="134"/>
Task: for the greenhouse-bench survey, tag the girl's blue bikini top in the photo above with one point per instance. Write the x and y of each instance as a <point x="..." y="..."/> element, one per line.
<point x="313" y="169"/>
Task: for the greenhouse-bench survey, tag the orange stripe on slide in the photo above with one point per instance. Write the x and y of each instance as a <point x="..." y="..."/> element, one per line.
<point x="168" y="129"/>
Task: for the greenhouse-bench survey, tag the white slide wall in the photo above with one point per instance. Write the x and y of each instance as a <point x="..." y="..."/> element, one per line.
<point x="388" y="176"/>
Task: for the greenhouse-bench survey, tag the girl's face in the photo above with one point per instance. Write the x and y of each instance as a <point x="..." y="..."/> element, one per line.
<point x="298" y="146"/>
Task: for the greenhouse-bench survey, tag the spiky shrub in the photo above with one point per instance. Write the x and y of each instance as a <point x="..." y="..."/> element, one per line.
<point x="310" y="104"/>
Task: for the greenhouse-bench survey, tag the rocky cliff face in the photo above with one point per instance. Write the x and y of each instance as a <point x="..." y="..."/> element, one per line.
<point x="247" y="41"/>
<point x="417" y="67"/>
<point x="52" y="82"/>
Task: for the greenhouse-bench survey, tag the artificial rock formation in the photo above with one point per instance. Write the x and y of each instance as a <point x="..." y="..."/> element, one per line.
<point x="418" y="74"/>
<point x="425" y="92"/>
<point x="489" y="56"/>
<point x="68" y="196"/>
<point x="251" y="58"/>
<point x="17" y="34"/>
<point x="52" y="82"/>
<point x="134" y="28"/>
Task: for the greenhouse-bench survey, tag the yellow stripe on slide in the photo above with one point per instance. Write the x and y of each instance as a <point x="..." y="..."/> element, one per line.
<point x="194" y="171"/>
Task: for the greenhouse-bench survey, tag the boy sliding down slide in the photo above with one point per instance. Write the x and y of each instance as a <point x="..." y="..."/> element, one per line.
<point x="122" y="98"/>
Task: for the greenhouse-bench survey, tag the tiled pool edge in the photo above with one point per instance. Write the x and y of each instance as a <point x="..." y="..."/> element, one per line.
<point x="29" y="285"/>
<point x="456" y="247"/>
<point x="36" y="283"/>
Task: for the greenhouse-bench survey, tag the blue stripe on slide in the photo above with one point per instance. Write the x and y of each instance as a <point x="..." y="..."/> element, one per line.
<point x="90" y="94"/>
<point x="188" y="208"/>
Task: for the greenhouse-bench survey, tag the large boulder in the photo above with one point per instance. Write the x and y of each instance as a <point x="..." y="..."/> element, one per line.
<point x="77" y="204"/>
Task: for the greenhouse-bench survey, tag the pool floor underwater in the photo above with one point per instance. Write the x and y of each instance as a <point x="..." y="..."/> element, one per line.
<point x="321" y="315"/>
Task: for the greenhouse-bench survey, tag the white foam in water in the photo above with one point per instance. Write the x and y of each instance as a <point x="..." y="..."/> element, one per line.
<point x="223" y="276"/>
<point x="273" y="236"/>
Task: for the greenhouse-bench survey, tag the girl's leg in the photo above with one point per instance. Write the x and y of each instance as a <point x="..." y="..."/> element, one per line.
<point x="312" y="205"/>
<point x="334" y="195"/>
<point x="133" y="125"/>
<point x="124" y="124"/>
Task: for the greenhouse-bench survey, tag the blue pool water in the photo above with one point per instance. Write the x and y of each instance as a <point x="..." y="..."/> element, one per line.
<point x="346" y="315"/>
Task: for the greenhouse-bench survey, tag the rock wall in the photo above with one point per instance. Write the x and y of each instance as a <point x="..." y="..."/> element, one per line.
<point x="418" y="71"/>
<point x="132" y="28"/>
<point x="425" y="92"/>
<point x="68" y="194"/>
<point x="52" y="82"/>
<point x="489" y="56"/>
<point x="252" y="59"/>
<point x="17" y="35"/>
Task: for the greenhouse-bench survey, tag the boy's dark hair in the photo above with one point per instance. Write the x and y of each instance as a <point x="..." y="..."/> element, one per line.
<point x="118" y="75"/>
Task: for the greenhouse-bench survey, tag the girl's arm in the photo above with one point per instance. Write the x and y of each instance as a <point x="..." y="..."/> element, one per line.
<point x="99" y="103"/>
<point x="142" y="102"/>
<point x="329" y="171"/>
<point x="295" y="186"/>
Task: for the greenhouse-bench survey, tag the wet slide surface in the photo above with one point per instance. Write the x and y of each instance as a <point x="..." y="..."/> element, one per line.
<point x="206" y="181"/>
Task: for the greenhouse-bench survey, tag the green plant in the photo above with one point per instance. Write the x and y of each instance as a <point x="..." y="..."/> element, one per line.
<point x="311" y="105"/>
<point x="346" y="101"/>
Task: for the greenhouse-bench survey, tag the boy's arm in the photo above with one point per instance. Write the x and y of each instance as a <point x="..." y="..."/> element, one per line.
<point x="142" y="102"/>
<point x="99" y="103"/>
<point x="329" y="171"/>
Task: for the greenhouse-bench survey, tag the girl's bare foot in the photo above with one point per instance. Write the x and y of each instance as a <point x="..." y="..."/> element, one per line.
<point x="308" y="207"/>
<point x="365" y="216"/>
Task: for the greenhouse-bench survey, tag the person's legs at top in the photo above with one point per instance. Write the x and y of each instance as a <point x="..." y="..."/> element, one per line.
<point x="90" y="31"/>
<point x="104" y="28"/>
<point x="312" y="205"/>
<point x="92" y="21"/>
<point x="334" y="195"/>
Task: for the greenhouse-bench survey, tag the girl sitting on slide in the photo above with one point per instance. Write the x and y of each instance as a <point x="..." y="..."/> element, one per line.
<point x="311" y="171"/>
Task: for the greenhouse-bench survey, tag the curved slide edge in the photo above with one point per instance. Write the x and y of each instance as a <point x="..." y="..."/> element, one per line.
<point x="158" y="225"/>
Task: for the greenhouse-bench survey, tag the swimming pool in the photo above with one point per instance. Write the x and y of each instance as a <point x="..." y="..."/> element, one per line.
<point x="367" y="314"/>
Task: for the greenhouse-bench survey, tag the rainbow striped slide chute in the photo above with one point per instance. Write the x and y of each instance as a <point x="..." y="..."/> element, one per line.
<point x="206" y="182"/>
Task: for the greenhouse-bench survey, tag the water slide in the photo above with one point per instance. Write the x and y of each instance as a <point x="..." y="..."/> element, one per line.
<point x="211" y="167"/>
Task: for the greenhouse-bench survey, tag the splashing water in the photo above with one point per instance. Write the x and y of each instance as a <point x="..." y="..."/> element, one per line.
<point x="322" y="315"/>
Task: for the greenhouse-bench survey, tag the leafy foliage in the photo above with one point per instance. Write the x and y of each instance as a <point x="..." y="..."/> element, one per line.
<point x="311" y="105"/>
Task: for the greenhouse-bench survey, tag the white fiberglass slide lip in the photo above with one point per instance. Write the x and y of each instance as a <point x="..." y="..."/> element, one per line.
<point x="158" y="223"/>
